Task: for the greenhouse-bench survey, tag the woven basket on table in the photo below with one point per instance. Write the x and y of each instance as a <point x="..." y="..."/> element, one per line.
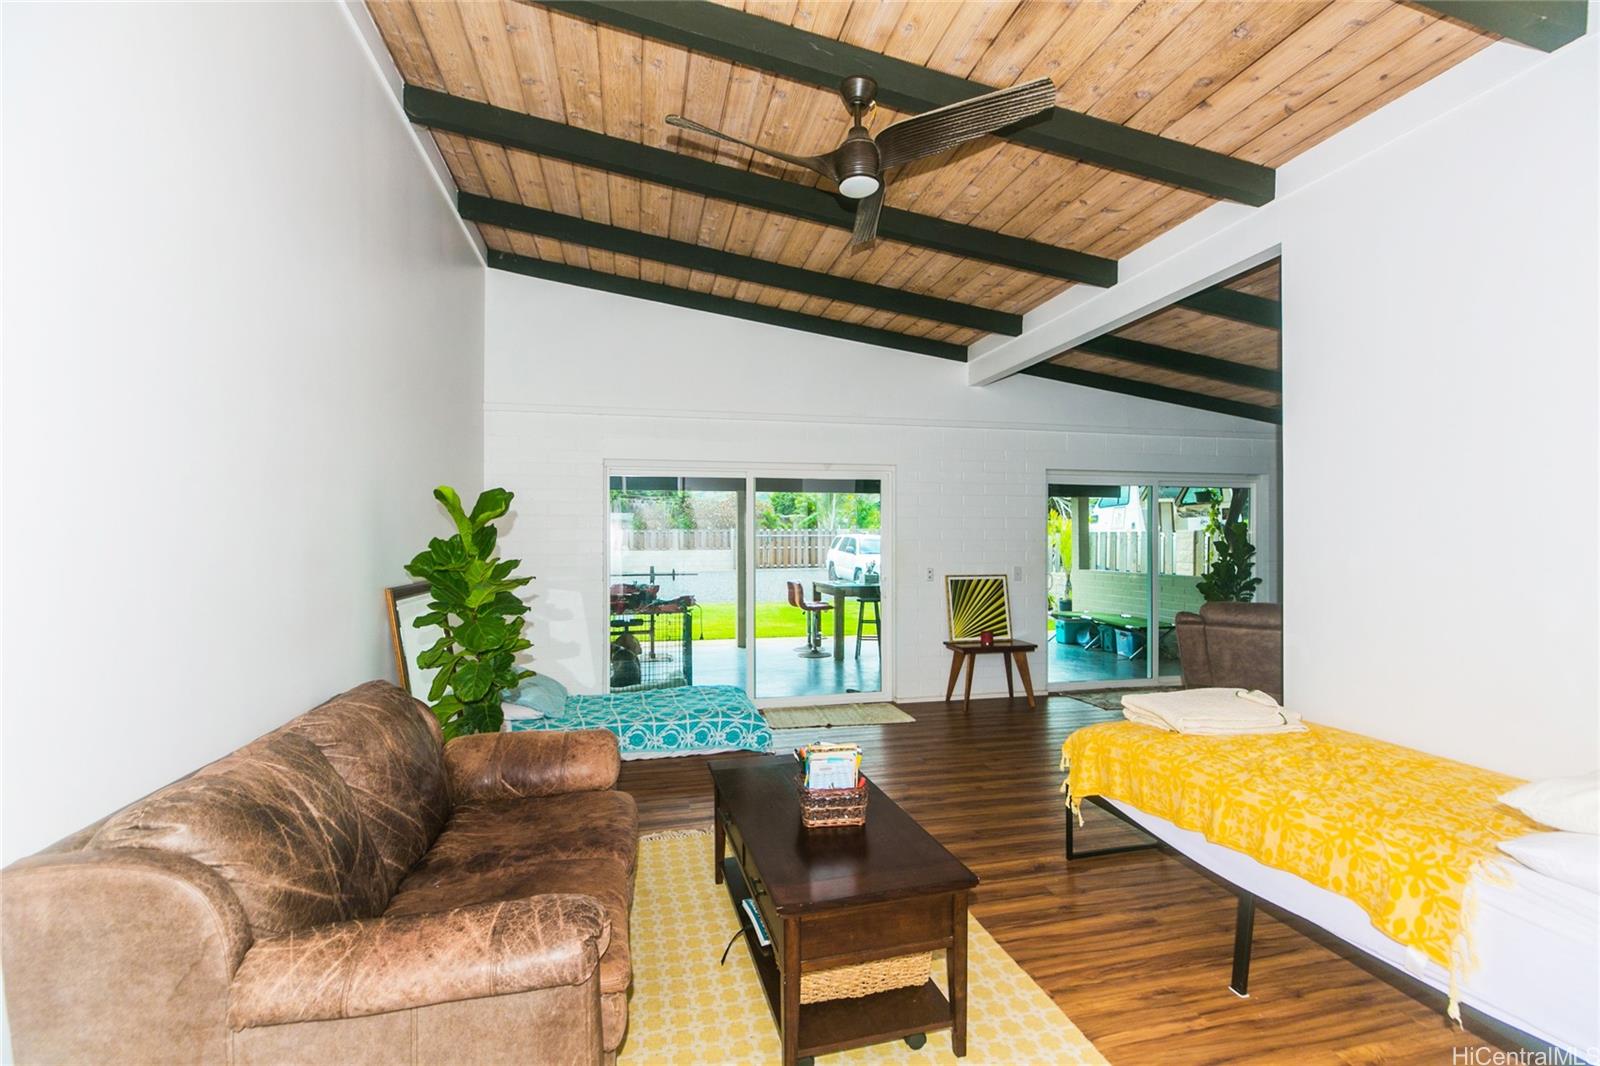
<point x="821" y="808"/>
<point x="865" y="978"/>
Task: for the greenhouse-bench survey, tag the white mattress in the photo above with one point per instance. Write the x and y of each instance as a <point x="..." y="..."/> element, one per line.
<point x="1537" y="940"/>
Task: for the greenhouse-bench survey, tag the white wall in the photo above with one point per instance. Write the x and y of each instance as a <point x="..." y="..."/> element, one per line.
<point x="574" y="378"/>
<point x="243" y="341"/>
<point x="1440" y="370"/>
<point x="1440" y="353"/>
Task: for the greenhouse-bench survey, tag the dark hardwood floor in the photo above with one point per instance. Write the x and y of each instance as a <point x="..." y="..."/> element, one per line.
<point x="1135" y="947"/>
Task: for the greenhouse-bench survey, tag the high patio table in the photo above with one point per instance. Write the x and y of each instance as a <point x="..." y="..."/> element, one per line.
<point x="841" y="591"/>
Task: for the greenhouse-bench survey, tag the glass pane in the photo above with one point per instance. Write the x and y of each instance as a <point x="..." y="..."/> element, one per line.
<point x="1099" y="582"/>
<point x="677" y="586"/>
<point x="819" y="589"/>
<point x="1195" y="563"/>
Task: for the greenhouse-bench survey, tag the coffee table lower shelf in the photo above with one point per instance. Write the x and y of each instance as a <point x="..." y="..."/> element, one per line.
<point x="835" y="1025"/>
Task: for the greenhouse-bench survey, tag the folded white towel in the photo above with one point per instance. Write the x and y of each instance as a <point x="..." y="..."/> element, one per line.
<point x="1211" y="712"/>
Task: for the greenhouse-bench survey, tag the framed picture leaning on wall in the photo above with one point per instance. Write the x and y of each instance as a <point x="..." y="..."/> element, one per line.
<point x="977" y="603"/>
<point x="407" y="603"/>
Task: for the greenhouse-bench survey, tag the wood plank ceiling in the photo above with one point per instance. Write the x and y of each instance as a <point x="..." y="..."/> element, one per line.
<point x="1255" y="80"/>
<point x="1223" y="363"/>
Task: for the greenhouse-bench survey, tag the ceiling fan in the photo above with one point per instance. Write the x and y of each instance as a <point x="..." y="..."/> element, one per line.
<point x="860" y="165"/>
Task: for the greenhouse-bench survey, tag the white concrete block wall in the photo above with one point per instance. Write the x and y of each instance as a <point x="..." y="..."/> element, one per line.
<point x="575" y="379"/>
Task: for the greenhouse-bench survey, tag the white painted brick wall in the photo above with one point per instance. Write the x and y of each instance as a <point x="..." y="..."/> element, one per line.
<point x="964" y="494"/>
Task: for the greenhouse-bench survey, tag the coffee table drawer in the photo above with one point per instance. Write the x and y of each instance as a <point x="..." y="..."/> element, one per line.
<point x="897" y="927"/>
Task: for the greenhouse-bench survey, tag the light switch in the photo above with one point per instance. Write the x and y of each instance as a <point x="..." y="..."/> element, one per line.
<point x="1017" y="573"/>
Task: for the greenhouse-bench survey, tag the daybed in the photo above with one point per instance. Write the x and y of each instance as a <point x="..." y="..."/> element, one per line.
<point x="689" y="720"/>
<point x="1390" y="850"/>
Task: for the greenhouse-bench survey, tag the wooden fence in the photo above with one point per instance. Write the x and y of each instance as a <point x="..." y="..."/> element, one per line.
<point x="805" y="548"/>
<point x="680" y="540"/>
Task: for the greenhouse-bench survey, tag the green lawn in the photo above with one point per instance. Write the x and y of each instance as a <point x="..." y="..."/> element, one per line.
<point x="715" y="621"/>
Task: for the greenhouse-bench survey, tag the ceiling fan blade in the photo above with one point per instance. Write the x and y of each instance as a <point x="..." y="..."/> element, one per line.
<point x="867" y="211"/>
<point x="945" y="127"/>
<point x="819" y="164"/>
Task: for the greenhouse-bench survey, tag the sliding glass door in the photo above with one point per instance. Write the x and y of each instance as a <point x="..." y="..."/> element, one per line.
<point x="819" y="591"/>
<point x="1114" y="590"/>
<point x="676" y="582"/>
<point x="773" y="584"/>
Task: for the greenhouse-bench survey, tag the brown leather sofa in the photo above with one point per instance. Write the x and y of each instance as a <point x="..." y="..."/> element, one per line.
<point x="1233" y="645"/>
<point x="348" y="889"/>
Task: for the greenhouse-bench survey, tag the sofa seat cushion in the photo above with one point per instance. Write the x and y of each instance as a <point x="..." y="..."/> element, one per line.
<point x="581" y="843"/>
<point x="572" y="825"/>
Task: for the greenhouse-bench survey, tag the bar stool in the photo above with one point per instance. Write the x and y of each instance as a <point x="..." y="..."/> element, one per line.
<point x="813" y="609"/>
<point x="862" y="619"/>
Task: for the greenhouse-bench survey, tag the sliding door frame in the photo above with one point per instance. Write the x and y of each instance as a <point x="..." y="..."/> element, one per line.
<point x="1260" y="519"/>
<point x="751" y="472"/>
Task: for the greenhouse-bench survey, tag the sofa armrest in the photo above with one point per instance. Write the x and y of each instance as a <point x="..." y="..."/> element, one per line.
<point x="118" y="954"/>
<point x="489" y="766"/>
<point x="376" y="965"/>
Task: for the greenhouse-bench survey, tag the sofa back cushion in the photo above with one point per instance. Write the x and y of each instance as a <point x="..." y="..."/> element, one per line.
<point x="389" y="750"/>
<point x="1244" y="646"/>
<point x="279" y="826"/>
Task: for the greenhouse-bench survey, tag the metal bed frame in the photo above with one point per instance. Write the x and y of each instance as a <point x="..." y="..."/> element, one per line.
<point x="1491" y="1029"/>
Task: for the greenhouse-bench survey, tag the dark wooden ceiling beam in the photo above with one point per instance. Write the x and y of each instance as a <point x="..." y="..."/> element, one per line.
<point x="1543" y="24"/>
<point x="514" y="129"/>
<point x="714" y="261"/>
<point x="1181" y="362"/>
<point x="1145" y="390"/>
<point x="767" y="45"/>
<point x="722" y="305"/>
<point x="1238" y="306"/>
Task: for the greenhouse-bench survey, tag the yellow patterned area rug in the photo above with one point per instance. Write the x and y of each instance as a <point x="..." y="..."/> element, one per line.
<point x="835" y="714"/>
<point x="687" y="1009"/>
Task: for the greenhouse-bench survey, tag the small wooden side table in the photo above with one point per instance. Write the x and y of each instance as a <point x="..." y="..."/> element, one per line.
<point x="967" y="651"/>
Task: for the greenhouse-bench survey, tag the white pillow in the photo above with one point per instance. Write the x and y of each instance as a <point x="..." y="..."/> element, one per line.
<point x="1570" y="803"/>
<point x="517" y="710"/>
<point x="1570" y="857"/>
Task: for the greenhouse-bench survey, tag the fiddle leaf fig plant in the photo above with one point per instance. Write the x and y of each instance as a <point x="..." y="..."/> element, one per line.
<point x="475" y="605"/>
<point x="1230" y="575"/>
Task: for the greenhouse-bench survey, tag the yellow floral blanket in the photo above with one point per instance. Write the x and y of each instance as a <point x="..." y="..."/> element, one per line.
<point x="1397" y="831"/>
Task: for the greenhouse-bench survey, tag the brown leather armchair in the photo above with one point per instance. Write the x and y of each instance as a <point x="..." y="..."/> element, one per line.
<point x="1233" y="645"/>
<point x="347" y="888"/>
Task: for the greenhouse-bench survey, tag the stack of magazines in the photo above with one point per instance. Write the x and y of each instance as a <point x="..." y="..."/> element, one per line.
<point x="830" y="765"/>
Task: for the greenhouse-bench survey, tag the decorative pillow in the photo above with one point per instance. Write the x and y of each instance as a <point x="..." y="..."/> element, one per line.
<point x="280" y="826"/>
<point x="541" y="693"/>
<point x="1569" y="803"/>
<point x="1570" y="857"/>
<point x="517" y="712"/>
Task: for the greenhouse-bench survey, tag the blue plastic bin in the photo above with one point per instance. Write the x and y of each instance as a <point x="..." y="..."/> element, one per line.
<point x="1130" y="642"/>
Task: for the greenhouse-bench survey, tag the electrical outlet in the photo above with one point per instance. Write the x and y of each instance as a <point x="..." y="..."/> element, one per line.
<point x="930" y="573"/>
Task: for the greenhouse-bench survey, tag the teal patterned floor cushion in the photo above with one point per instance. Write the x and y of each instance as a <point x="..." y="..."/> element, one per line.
<point x="692" y="720"/>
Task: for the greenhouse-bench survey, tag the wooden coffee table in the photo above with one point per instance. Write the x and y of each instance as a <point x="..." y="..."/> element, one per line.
<point x="833" y="897"/>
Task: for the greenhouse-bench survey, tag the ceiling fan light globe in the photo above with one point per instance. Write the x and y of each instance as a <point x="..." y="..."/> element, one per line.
<point x="858" y="186"/>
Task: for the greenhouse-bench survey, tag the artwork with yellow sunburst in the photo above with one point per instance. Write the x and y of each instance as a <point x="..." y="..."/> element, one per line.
<point x="977" y="603"/>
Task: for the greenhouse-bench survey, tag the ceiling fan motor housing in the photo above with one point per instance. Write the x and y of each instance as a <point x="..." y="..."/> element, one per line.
<point x="856" y="162"/>
<point x="858" y="92"/>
